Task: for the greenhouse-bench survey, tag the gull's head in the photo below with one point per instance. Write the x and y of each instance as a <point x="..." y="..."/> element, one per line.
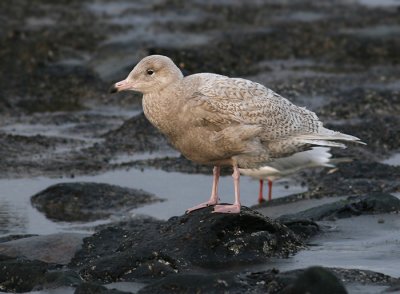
<point x="152" y="74"/>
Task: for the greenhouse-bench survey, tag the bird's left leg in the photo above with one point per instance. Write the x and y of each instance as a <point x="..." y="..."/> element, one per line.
<point x="235" y="207"/>
<point x="214" y="192"/>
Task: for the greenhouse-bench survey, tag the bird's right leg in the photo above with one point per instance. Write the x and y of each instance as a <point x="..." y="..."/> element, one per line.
<point x="214" y="199"/>
<point x="260" y="192"/>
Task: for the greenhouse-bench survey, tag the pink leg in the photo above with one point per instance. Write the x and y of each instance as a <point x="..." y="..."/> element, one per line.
<point x="235" y="207"/>
<point x="269" y="190"/>
<point x="260" y="193"/>
<point x="214" y="192"/>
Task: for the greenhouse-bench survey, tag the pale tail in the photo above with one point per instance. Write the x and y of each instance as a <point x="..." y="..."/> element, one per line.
<point x="326" y="137"/>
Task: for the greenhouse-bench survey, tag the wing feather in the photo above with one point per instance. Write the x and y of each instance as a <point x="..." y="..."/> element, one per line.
<point x="223" y="101"/>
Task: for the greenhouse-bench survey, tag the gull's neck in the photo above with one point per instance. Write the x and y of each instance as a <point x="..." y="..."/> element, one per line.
<point x="162" y="107"/>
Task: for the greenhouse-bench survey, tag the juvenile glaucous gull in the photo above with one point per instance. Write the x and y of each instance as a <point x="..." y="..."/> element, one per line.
<point x="285" y="166"/>
<point x="217" y="120"/>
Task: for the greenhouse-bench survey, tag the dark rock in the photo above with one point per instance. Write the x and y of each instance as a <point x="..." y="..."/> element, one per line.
<point x="365" y="170"/>
<point x="178" y="164"/>
<point x="88" y="201"/>
<point x="378" y="131"/>
<point x="129" y="224"/>
<point x="91" y="288"/>
<point x="356" y="178"/>
<point x="44" y="85"/>
<point x="364" y="277"/>
<point x="354" y="205"/>
<point x="196" y="283"/>
<point x="136" y="134"/>
<point x="15" y="237"/>
<point x="13" y="147"/>
<point x="60" y="278"/>
<point x="200" y="239"/>
<point x="20" y="274"/>
<point x="395" y="288"/>
<point x="315" y="280"/>
<point x="56" y="248"/>
<point x="303" y="228"/>
<point x="364" y="102"/>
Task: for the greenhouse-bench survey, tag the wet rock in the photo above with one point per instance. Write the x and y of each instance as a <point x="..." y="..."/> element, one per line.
<point x="196" y="283"/>
<point x="303" y="228"/>
<point x="200" y="239"/>
<point x="88" y="201"/>
<point x="25" y="156"/>
<point x="363" y="277"/>
<point x="176" y="164"/>
<point x="378" y="131"/>
<point x="394" y="288"/>
<point x="16" y="147"/>
<point x="365" y="170"/>
<point x="363" y="103"/>
<point x="350" y="178"/>
<point x="56" y="248"/>
<point x="315" y="280"/>
<point x="131" y="224"/>
<point x="352" y="206"/>
<point x="20" y="274"/>
<point x="37" y="82"/>
<point x="92" y="288"/>
<point x="60" y="278"/>
<point x="136" y="134"/>
<point x="14" y="237"/>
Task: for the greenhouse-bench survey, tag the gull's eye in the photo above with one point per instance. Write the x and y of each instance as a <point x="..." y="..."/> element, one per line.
<point x="150" y="72"/>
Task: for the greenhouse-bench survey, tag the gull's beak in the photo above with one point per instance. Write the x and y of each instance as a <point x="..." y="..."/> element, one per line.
<point x="120" y="86"/>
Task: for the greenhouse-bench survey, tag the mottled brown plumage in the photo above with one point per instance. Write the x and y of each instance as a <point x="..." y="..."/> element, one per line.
<point x="217" y="120"/>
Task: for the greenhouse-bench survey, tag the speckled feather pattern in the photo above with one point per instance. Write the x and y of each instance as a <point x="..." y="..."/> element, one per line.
<point x="246" y="102"/>
<point x="218" y="120"/>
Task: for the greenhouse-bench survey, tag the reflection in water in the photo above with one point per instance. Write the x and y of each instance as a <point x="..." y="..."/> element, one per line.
<point x="12" y="218"/>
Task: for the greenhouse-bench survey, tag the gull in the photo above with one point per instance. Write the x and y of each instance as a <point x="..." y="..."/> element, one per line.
<point x="221" y="121"/>
<point x="282" y="167"/>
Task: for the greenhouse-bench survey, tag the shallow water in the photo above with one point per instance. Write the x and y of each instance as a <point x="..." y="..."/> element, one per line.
<point x="369" y="242"/>
<point x="17" y="216"/>
<point x="379" y="3"/>
<point x="392" y="160"/>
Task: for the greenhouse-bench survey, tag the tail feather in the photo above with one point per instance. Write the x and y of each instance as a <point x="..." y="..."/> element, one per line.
<point x="326" y="137"/>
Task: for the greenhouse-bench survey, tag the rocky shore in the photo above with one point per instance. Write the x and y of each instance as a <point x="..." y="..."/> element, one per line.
<point x="59" y="130"/>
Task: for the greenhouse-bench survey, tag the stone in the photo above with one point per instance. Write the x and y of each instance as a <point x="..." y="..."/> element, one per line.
<point x="200" y="238"/>
<point x="352" y="206"/>
<point x="20" y="274"/>
<point x="92" y="288"/>
<point x="56" y="248"/>
<point x="84" y="201"/>
<point x="315" y="280"/>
